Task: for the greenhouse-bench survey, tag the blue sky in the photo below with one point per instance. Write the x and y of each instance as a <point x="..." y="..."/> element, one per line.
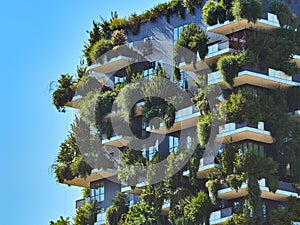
<point x="40" y="40"/>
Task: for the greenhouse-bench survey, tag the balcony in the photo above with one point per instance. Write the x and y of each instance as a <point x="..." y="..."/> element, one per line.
<point x="100" y="218"/>
<point x="220" y="216"/>
<point x="117" y="141"/>
<point x="228" y="27"/>
<point x="184" y="118"/>
<point x="118" y="58"/>
<point x="75" y="103"/>
<point x="296" y="59"/>
<point x="97" y="174"/>
<point x="166" y="207"/>
<point x="267" y="79"/>
<point x="215" y="51"/>
<point x="203" y="169"/>
<point x="136" y="191"/>
<point x="284" y="191"/>
<point x="232" y="132"/>
<point x="295" y="115"/>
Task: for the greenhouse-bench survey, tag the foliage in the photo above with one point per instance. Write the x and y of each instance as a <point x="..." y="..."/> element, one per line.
<point x="192" y="5"/>
<point x="118" y="37"/>
<point x="197" y="210"/>
<point x="68" y="158"/>
<point x="286" y="216"/>
<point x="85" y="192"/>
<point x="88" y="84"/>
<point x="274" y="49"/>
<point x="192" y="38"/>
<point x="103" y="107"/>
<point x="86" y="214"/>
<point x="239" y="219"/>
<point x="285" y="16"/>
<point x="117" y="23"/>
<point x="118" y="210"/>
<point x="61" y="221"/>
<point x="141" y="213"/>
<point x="248" y="9"/>
<point x="213" y="13"/>
<point x="293" y="98"/>
<point x="64" y="93"/>
<point x="228" y="66"/>
<point x="99" y="49"/>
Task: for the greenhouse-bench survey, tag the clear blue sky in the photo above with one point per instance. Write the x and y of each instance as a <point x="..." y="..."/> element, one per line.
<point x="40" y="40"/>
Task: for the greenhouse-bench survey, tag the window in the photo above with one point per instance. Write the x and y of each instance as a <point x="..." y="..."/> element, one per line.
<point x="97" y="194"/>
<point x="150" y="152"/>
<point x="177" y="31"/>
<point x="101" y="216"/>
<point x="188" y="141"/>
<point x="148" y="73"/>
<point x="173" y="143"/>
<point x="119" y="79"/>
<point x="148" y="46"/>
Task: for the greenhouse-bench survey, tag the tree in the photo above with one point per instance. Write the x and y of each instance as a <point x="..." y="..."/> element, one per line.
<point x="118" y="210"/>
<point x="197" y="210"/>
<point x="61" y="221"/>
<point x="86" y="214"/>
<point x="247" y="9"/>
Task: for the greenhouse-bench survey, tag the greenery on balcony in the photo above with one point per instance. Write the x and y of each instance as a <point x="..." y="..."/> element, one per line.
<point x="288" y="214"/>
<point x="237" y="169"/>
<point x="218" y="12"/>
<point x="286" y="18"/>
<point x="64" y="92"/>
<point x="191" y="43"/>
<point x="116" y="213"/>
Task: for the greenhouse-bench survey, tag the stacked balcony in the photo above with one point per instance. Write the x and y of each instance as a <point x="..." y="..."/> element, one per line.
<point x="136" y="191"/>
<point x="267" y="79"/>
<point x="270" y="22"/>
<point x="215" y="51"/>
<point x="118" y="141"/>
<point x="204" y="169"/>
<point x="220" y="216"/>
<point x="184" y="118"/>
<point x="122" y="57"/>
<point x="97" y="174"/>
<point x="284" y="191"/>
<point x="233" y="132"/>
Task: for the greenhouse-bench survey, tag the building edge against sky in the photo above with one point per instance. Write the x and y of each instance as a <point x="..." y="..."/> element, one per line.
<point x="225" y="39"/>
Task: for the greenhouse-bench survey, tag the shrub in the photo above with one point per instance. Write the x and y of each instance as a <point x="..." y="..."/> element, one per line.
<point x="134" y="23"/>
<point x="213" y="12"/>
<point x="99" y="49"/>
<point x="228" y="66"/>
<point x="192" y="5"/>
<point x="248" y="9"/>
<point x="284" y="15"/>
<point x="64" y="93"/>
<point x="117" y="23"/>
<point x="118" y="37"/>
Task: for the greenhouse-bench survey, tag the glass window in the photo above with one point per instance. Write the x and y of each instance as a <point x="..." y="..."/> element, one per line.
<point x="119" y="79"/>
<point x="101" y="216"/>
<point x="98" y="193"/>
<point x="173" y="143"/>
<point x="177" y="31"/>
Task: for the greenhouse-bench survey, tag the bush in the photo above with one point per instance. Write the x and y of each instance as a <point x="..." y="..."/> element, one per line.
<point x="192" y="5"/>
<point x="284" y="15"/>
<point x="228" y="66"/>
<point x="99" y="49"/>
<point x="117" y="23"/>
<point x="64" y="93"/>
<point x="247" y="9"/>
<point x="213" y="12"/>
<point x="118" y="37"/>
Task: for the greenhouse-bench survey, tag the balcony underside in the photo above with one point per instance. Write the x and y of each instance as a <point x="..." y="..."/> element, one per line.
<point x="74" y="103"/>
<point x="256" y="79"/>
<point x="117" y="141"/>
<point x="184" y="123"/>
<point x="85" y="182"/>
<point x="231" y="27"/>
<point x="244" y="134"/>
<point x="114" y="64"/>
<point x="204" y="64"/>
<point x="279" y="195"/>
<point x="203" y="170"/>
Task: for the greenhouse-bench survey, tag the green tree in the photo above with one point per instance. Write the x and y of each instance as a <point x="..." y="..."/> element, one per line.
<point x="61" y="221"/>
<point x="86" y="214"/>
